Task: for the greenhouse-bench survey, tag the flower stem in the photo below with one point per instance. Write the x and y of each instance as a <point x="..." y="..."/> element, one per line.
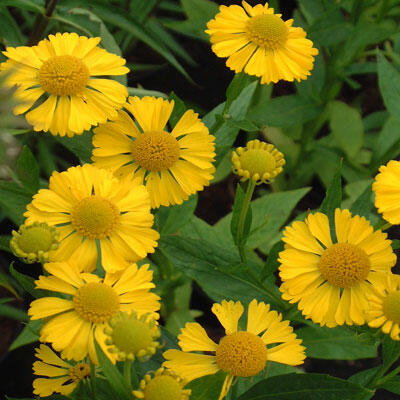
<point x="41" y="22"/>
<point x="386" y="226"/>
<point x="242" y="219"/>
<point x="128" y="374"/>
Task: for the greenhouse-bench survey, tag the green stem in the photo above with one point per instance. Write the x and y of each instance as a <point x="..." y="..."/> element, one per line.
<point x="242" y="219"/>
<point x="219" y="122"/>
<point x="128" y="374"/>
<point x="99" y="267"/>
<point x="92" y="381"/>
<point x="41" y="22"/>
<point x="386" y="226"/>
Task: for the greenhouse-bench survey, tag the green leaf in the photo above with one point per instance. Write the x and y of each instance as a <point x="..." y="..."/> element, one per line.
<point x="392" y="385"/>
<point x="80" y="145"/>
<point x="312" y="87"/>
<point x="113" y="375"/>
<point x="363" y="378"/>
<point x="388" y="137"/>
<point x="272" y="263"/>
<point x="5" y="243"/>
<point x="238" y="83"/>
<point x="333" y="198"/>
<point x="14" y="313"/>
<point x="306" y="386"/>
<point x="28" y="170"/>
<point x="390" y="351"/>
<point x="337" y="343"/>
<point x="178" y="111"/>
<point x="6" y="283"/>
<point x="237" y="209"/>
<point x="284" y="111"/>
<point x="13" y="201"/>
<point x="238" y="109"/>
<point x="170" y="219"/>
<point x="24" y="5"/>
<point x="362" y="205"/>
<point x="27" y="283"/>
<point x="30" y="334"/>
<point x="389" y="86"/>
<point x="347" y="127"/>
<point x="207" y="388"/>
<point x="9" y="30"/>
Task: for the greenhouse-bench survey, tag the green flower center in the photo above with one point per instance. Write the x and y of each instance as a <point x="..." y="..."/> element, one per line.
<point x="163" y="387"/>
<point x="267" y="30"/>
<point x="241" y="354"/>
<point x="35" y="239"/>
<point x="63" y="75"/>
<point x="95" y="217"/>
<point x="155" y="150"/>
<point x="96" y="302"/>
<point x="391" y="306"/>
<point x="257" y="161"/>
<point x="344" y="265"/>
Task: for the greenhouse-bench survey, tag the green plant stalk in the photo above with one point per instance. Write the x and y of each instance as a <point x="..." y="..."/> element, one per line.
<point x="41" y="22"/>
<point x="243" y="214"/>
<point x="128" y="374"/>
<point x="99" y="267"/>
<point x="388" y="225"/>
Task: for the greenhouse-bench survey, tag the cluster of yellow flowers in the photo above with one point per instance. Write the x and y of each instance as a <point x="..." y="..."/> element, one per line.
<point x="94" y="222"/>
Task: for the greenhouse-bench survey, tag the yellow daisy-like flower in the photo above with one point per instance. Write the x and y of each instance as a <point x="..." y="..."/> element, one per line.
<point x="35" y="243"/>
<point x="88" y="303"/>
<point x="164" y="385"/>
<point x="260" y="43"/>
<point x="239" y="353"/>
<point x="258" y="161"/>
<point x="88" y="204"/>
<point x="387" y="191"/>
<point x="384" y="307"/>
<point x="61" y="74"/>
<point x="61" y="376"/>
<point x="331" y="280"/>
<point x="173" y="164"/>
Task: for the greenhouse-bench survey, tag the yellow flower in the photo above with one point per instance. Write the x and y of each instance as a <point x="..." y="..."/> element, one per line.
<point x="384" y="307"/>
<point x="331" y="279"/>
<point x="59" y="77"/>
<point x="88" y="303"/>
<point x="258" y="161"/>
<point x="61" y="376"/>
<point x="259" y="42"/>
<point x="35" y="243"/>
<point x="88" y="204"/>
<point x="387" y="191"/>
<point x="172" y="162"/>
<point x="164" y="385"/>
<point x="239" y="353"/>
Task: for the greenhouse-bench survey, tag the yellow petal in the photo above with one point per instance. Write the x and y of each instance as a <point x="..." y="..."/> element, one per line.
<point x="194" y="338"/>
<point x="228" y="314"/>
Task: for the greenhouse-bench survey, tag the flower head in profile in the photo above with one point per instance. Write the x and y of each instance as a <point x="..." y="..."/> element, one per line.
<point x="73" y="322"/>
<point x="331" y="279"/>
<point x="35" y="243"/>
<point x="384" y="307"/>
<point x="131" y="336"/>
<point x="239" y="353"/>
<point x="387" y="191"/>
<point x="258" y="161"/>
<point x="89" y="205"/>
<point x="172" y="162"/>
<point x="164" y="384"/>
<point x="260" y="43"/>
<point x="62" y="82"/>
<point x="57" y="375"/>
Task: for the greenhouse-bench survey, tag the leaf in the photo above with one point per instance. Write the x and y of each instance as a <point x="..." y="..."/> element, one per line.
<point x="238" y="83"/>
<point x="237" y="209"/>
<point x="178" y="111"/>
<point x="24" y="5"/>
<point x="314" y="84"/>
<point x="27" y="283"/>
<point x="14" y="313"/>
<point x="392" y="385"/>
<point x="80" y="145"/>
<point x="30" y="334"/>
<point x="284" y="111"/>
<point x="333" y="198"/>
<point x="306" y="386"/>
<point x="5" y="243"/>
<point x="112" y="375"/>
<point x="389" y="86"/>
<point x="388" y="137"/>
<point x="347" y="127"/>
<point x="272" y="263"/>
<point x="28" y="170"/>
<point x="171" y="219"/>
<point x="6" y="283"/>
<point x="362" y="205"/>
<point x="390" y="352"/>
<point x="9" y="30"/>
<point x="337" y="343"/>
<point x="241" y="103"/>
<point x="207" y="387"/>
<point x="13" y="201"/>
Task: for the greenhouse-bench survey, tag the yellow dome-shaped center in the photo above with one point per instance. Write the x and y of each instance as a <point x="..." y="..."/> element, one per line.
<point x="391" y="306"/>
<point x="63" y="75"/>
<point x="267" y="30"/>
<point x="79" y="372"/>
<point x="155" y="150"/>
<point x="96" y="302"/>
<point x="36" y="238"/>
<point x="344" y="265"/>
<point x="131" y="335"/>
<point x="257" y="161"/>
<point x="95" y="217"/>
<point x="241" y="354"/>
<point x="163" y="387"/>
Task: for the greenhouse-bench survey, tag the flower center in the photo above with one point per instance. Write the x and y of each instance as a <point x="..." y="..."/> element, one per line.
<point x="257" y="161"/>
<point x="63" y="75"/>
<point x="163" y="387"/>
<point x="96" y="302"/>
<point x="95" y="217"/>
<point x="79" y="372"/>
<point x="155" y="150"/>
<point x="241" y="354"/>
<point x="391" y="306"/>
<point x="267" y="31"/>
<point x="36" y="238"/>
<point x="344" y="265"/>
